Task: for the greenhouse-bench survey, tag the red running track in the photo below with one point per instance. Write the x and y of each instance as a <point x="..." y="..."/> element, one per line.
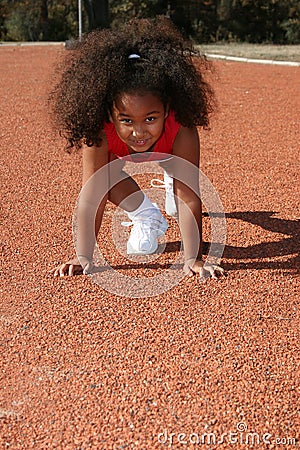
<point x="212" y="365"/>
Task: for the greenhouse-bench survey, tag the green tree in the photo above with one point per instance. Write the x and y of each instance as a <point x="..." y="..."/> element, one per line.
<point x="44" y="20"/>
<point x="31" y="20"/>
<point x="274" y="21"/>
<point x="291" y="24"/>
<point x="262" y="20"/>
<point x="177" y="10"/>
<point x="23" y="21"/>
<point x="120" y="11"/>
<point x="97" y="13"/>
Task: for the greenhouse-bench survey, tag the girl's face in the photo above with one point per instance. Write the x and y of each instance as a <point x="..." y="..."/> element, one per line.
<point x="139" y="120"/>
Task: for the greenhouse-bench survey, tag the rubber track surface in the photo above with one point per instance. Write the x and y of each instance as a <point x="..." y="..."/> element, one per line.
<point x="194" y="367"/>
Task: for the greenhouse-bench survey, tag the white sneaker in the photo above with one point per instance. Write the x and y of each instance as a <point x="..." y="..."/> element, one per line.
<point x="146" y="229"/>
<point x="168" y="184"/>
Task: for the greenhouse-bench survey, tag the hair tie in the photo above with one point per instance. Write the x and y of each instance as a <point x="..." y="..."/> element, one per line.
<point x="134" y="56"/>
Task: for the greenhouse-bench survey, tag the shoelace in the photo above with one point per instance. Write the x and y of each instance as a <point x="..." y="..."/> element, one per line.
<point x="157" y="183"/>
<point x="150" y="223"/>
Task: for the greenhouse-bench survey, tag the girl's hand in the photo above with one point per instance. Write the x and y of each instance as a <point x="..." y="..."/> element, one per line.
<point x="205" y="270"/>
<point x="73" y="267"/>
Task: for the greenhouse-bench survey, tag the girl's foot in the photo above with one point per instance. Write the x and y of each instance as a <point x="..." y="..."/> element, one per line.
<point x="147" y="228"/>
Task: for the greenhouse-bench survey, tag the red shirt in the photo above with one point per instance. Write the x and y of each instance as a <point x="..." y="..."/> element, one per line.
<point x="163" y="145"/>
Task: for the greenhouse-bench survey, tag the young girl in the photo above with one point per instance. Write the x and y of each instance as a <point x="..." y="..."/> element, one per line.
<point x="137" y="94"/>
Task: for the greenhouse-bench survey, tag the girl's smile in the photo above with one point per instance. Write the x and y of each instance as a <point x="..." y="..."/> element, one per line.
<point x="139" y="120"/>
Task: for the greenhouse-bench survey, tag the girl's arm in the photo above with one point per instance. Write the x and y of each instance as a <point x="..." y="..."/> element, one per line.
<point x="93" y="159"/>
<point x="91" y="204"/>
<point x="186" y="189"/>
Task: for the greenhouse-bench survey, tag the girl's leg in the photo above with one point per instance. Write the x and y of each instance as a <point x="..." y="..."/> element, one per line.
<point x="147" y="220"/>
<point x="125" y="192"/>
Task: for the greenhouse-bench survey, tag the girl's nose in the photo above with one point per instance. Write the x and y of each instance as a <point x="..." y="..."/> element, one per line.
<point x="138" y="132"/>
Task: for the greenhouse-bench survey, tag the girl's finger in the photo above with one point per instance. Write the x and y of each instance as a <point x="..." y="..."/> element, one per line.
<point x="71" y="270"/>
<point x="219" y="269"/>
<point x="88" y="269"/>
<point x="62" y="270"/>
<point x="216" y="271"/>
<point x="202" y="273"/>
<point x="188" y="271"/>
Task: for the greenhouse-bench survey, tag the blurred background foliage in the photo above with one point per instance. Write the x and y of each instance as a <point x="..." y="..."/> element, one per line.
<point x="204" y="21"/>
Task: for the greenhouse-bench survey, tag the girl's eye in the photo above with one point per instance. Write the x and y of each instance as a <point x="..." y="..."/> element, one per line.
<point x="127" y="121"/>
<point x="150" y="119"/>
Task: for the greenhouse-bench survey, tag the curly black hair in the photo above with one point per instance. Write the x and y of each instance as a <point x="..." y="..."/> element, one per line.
<point x="99" y="69"/>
